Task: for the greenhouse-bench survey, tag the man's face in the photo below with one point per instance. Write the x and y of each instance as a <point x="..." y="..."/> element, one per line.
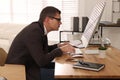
<point x="55" y="22"/>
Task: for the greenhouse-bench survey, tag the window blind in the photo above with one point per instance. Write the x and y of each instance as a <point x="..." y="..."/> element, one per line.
<point x="27" y="11"/>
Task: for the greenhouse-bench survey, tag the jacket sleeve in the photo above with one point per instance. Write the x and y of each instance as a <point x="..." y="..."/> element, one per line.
<point x="34" y="43"/>
<point x="51" y="47"/>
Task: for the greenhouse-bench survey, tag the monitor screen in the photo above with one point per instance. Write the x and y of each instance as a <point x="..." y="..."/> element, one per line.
<point x="91" y="26"/>
<point x="93" y="23"/>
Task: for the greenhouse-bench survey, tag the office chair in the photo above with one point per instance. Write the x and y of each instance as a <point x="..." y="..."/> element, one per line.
<point x="3" y="56"/>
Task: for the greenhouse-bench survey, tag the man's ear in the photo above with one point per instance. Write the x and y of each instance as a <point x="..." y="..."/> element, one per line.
<point x="47" y="19"/>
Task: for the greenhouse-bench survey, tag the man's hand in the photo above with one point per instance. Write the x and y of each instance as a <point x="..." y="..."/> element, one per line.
<point x="63" y="44"/>
<point x="67" y="48"/>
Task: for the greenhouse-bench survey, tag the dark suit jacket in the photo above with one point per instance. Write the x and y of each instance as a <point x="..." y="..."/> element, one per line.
<point x="30" y="48"/>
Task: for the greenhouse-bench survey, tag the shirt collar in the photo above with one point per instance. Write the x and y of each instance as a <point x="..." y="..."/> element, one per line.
<point x="45" y="30"/>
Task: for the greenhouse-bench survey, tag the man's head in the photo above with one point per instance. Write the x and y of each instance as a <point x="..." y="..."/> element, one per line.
<point x="50" y="17"/>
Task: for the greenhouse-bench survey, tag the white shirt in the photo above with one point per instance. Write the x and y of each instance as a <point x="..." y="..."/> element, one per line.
<point x="45" y="30"/>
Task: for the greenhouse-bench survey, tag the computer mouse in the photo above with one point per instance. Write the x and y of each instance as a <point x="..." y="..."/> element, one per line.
<point x="3" y="78"/>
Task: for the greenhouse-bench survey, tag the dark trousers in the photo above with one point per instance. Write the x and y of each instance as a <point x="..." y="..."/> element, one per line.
<point x="47" y="72"/>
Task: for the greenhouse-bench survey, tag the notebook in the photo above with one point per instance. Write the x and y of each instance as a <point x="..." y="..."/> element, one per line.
<point x="89" y="66"/>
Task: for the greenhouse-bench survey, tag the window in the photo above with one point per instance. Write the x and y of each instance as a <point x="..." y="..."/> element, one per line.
<point x="27" y="11"/>
<point x="5" y="11"/>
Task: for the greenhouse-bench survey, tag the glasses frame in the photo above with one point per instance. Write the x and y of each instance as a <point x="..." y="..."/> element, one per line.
<point x="58" y="19"/>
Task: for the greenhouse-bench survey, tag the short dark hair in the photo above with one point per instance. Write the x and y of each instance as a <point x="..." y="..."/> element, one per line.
<point x="48" y="11"/>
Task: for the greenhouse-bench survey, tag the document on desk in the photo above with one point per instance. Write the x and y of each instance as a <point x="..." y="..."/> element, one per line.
<point x="77" y="43"/>
<point x="78" y="53"/>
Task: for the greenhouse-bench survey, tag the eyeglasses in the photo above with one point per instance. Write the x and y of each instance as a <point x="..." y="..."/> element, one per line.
<point x="58" y="19"/>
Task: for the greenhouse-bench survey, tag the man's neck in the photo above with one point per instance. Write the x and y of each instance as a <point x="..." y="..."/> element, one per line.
<point x="47" y="28"/>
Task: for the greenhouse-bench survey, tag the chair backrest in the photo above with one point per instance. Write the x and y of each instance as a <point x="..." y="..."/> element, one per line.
<point x="3" y="56"/>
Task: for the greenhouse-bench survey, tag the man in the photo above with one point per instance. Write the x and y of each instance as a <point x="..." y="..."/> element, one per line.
<point x="30" y="46"/>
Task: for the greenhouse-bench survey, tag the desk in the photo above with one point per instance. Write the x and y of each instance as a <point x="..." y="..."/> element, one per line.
<point x="13" y="72"/>
<point x="64" y="69"/>
<point x="107" y="24"/>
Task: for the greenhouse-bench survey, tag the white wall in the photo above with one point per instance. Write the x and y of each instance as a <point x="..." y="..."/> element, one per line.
<point x="107" y="14"/>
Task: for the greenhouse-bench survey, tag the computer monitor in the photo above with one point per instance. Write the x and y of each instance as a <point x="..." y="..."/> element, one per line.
<point x="91" y="26"/>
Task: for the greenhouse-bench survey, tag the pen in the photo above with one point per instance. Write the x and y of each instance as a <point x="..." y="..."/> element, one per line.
<point x="83" y="63"/>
